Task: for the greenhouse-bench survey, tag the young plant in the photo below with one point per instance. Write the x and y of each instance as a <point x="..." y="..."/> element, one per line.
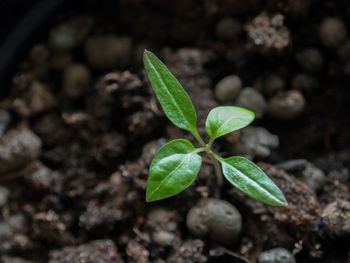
<point x="177" y="163"/>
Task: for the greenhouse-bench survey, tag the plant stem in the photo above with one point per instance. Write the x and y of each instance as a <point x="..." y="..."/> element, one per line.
<point x="198" y="138"/>
<point x="218" y="175"/>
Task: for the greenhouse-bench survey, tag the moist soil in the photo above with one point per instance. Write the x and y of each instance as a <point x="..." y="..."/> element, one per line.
<point x="82" y="128"/>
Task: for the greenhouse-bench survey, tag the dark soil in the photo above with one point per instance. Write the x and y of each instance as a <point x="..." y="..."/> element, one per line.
<point x="76" y="144"/>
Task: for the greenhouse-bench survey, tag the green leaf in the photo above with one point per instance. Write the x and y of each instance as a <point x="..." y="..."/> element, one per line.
<point x="251" y="180"/>
<point x="173" y="169"/>
<point x="174" y="100"/>
<point x="226" y="119"/>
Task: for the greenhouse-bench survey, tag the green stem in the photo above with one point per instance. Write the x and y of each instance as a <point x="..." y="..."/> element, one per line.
<point x="210" y="142"/>
<point x="217" y="173"/>
<point x="198" y="138"/>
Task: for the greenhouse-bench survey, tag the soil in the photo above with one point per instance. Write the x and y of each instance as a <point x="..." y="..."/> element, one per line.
<point x="80" y="125"/>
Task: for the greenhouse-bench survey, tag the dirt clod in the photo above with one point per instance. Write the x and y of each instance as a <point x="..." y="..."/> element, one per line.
<point x="103" y="251"/>
<point x="336" y="216"/>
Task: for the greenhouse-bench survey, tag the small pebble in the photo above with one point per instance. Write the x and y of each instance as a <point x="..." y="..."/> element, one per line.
<point x="59" y="61"/>
<point x="255" y="142"/>
<point x="163" y="218"/>
<point x="40" y="176"/>
<point x="253" y="100"/>
<point x="227" y="28"/>
<point x="5" y="230"/>
<point x="17" y="221"/>
<point x="217" y="219"/>
<point x="5" y="119"/>
<point x="313" y="177"/>
<point x="76" y="80"/>
<point x="4" y="195"/>
<point x="228" y="88"/>
<point x="8" y="259"/>
<point x="39" y="98"/>
<point x="108" y="52"/>
<point x="39" y="54"/>
<point x="310" y="59"/>
<point x="304" y="82"/>
<point x="163" y="238"/>
<point x="273" y="84"/>
<point x="18" y="148"/>
<point x="286" y="106"/>
<point x="70" y="34"/>
<point x="151" y="148"/>
<point x="332" y="31"/>
<point x="336" y="217"/>
<point x="276" y="255"/>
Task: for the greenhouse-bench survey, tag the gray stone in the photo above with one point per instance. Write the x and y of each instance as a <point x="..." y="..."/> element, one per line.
<point x="216" y="219"/>
<point x="5" y="119"/>
<point x="286" y="106"/>
<point x="5" y="230"/>
<point x="332" y="31"/>
<point x="255" y="142"/>
<point x="228" y="28"/>
<point x="163" y="238"/>
<point x="39" y="54"/>
<point x="313" y="177"/>
<point x="228" y="88"/>
<point x="4" y="194"/>
<point x="17" y="221"/>
<point x="18" y="148"/>
<point x="70" y="34"/>
<point x="253" y="100"/>
<point x="310" y="59"/>
<point x="39" y="98"/>
<point x="108" y="51"/>
<point x="276" y="255"/>
<point x="76" y="80"/>
<point x="304" y="82"/>
<point x="273" y="84"/>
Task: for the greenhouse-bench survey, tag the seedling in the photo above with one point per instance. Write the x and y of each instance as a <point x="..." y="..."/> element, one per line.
<point x="177" y="163"/>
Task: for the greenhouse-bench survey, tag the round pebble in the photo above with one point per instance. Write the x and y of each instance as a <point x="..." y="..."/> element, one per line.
<point x="273" y="84"/>
<point x="163" y="238"/>
<point x="217" y="219"/>
<point x="40" y="98"/>
<point x="39" y="54"/>
<point x="253" y="100"/>
<point x="332" y="31"/>
<point x="304" y="82"/>
<point x="228" y="88"/>
<point x="310" y="59"/>
<point x="5" y="119"/>
<point x="18" y="148"/>
<point x="4" y="195"/>
<point x="108" y="52"/>
<point x="76" y="80"/>
<point x="286" y="106"/>
<point x="313" y="177"/>
<point x="276" y="255"/>
<point x="227" y="28"/>
<point x="254" y="142"/>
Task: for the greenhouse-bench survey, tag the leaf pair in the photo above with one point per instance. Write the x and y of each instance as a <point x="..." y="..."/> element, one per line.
<point x="177" y="164"/>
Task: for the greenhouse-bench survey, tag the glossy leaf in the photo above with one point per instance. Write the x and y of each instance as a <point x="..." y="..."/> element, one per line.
<point x="251" y="180"/>
<point x="173" y="169"/>
<point x="174" y="100"/>
<point x="226" y="119"/>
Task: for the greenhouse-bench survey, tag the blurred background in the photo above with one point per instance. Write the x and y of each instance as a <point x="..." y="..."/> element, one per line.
<point x="79" y="126"/>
